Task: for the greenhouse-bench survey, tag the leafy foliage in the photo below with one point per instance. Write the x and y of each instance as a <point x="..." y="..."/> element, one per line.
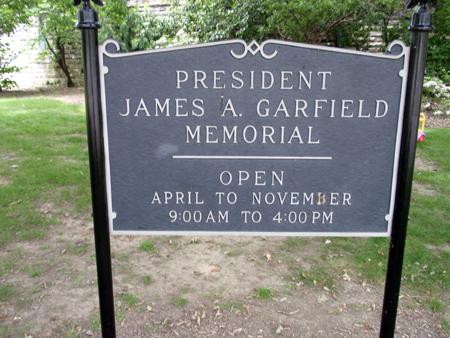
<point x="133" y="30"/>
<point x="343" y="23"/>
<point x="390" y="18"/>
<point x="6" y="57"/>
<point x="314" y="21"/>
<point x="138" y="29"/>
<point x="12" y="13"/>
<point x="340" y="23"/>
<point x="438" y="56"/>
<point x="57" y="20"/>
<point x="210" y="20"/>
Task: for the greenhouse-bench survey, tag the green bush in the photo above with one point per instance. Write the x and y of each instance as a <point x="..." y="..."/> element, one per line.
<point x="438" y="55"/>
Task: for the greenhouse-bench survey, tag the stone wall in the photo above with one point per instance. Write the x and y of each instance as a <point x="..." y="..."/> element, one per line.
<point x="35" y="70"/>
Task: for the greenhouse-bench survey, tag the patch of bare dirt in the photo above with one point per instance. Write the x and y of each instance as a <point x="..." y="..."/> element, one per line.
<point x="435" y="121"/>
<point x="71" y="95"/>
<point x="425" y="165"/>
<point x="444" y="247"/>
<point x="423" y="189"/>
<point x="198" y="288"/>
<point x="5" y="180"/>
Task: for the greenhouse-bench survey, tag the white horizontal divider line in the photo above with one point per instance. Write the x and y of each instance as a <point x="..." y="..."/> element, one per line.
<point x="207" y="157"/>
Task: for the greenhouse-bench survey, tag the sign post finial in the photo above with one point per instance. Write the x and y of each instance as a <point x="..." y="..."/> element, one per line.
<point x="87" y="16"/>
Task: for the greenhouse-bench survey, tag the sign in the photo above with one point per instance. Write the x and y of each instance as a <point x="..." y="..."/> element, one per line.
<point x="277" y="138"/>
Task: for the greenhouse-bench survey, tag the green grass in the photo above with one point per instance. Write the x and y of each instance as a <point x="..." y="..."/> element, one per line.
<point x="179" y="302"/>
<point x="445" y="324"/>
<point x="148" y="246"/>
<point x="234" y="253"/>
<point x="436" y="305"/>
<point x="130" y="299"/>
<point x="230" y="304"/>
<point x="44" y="160"/>
<point x="147" y="279"/>
<point x="76" y="249"/>
<point x="71" y="331"/>
<point x="7" y="265"/>
<point x="295" y="243"/>
<point x="95" y="321"/>
<point x="124" y="256"/>
<point x="216" y="294"/>
<point x="7" y="292"/>
<point x="186" y="289"/>
<point x="35" y="272"/>
<point x="264" y="293"/>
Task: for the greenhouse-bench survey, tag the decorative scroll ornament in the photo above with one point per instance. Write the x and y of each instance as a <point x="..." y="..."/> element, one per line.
<point x="254" y="47"/>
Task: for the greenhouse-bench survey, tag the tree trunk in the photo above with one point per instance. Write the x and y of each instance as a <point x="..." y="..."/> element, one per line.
<point x="62" y="62"/>
<point x="63" y="66"/>
<point x="61" y="59"/>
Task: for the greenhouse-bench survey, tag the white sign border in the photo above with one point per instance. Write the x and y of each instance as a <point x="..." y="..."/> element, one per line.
<point x="403" y="73"/>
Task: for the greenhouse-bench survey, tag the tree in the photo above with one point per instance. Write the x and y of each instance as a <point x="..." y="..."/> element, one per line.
<point x="212" y="20"/>
<point x="12" y="13"/>
<point x="57" y="20"/>
<point x="319" y="21"/>
<point x="133" y="29"/>
<point x="438" y="56"/>
<point x="346" y="23"/>
<point x="390" y="18"/>
<point x="6" y="58"/>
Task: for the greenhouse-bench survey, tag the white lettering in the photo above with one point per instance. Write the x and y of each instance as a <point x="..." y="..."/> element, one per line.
<point x="345" y="107"/>
<point x="324" y="77"/>
<point x="255" y="134"/>
<point x="221" y="178"/>
<point x="237" y="79"/>
<point x="263" y="79"/>
<point x="297" y="107"/>
<point x="318" y="107"/>
<point x="258" y="177"/>
<point x="281" y="107"/>
<point x="201" y="80"/>
<point x="308" y="82"/>
<point x="209" y="132"/>
<point x="161" y="108"/>
<point x="377" y="115"/>
<point x="229" y="106"/>
<point x="266" y="110"/>
<point x="179" y="80"/>
<point x="142" y="107"/>
<point x="217" y="78"/>
<point x="180" y="106"/>
<point x="128" y="108"/>
<point x="192" y="134"/>
<point x="284" y="79"/>
<point x="268" y="135"/>
<point x="360" y="109"/>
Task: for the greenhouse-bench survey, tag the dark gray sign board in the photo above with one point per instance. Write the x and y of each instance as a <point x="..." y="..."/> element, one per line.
<point x="273" y="139"/>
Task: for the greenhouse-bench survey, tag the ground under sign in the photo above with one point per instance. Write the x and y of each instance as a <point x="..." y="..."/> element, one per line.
<point x="229" y="137"/>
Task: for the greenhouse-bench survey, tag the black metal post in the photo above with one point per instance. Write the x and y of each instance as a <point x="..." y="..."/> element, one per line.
<point x="88" y="23"/>
<point x="420" y="27"/>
